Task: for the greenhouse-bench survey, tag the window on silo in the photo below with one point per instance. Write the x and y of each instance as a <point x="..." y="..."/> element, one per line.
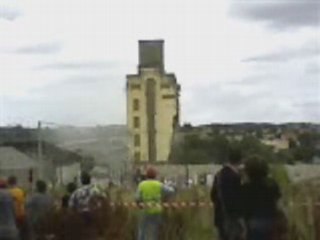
<point x="135" y="86"/>
<point x="137" y="156"/>
<point x="136" y="122"/>
<point x="137" y="140"/>
<point x="165" y="86"/>
<point x="136" y="104"/>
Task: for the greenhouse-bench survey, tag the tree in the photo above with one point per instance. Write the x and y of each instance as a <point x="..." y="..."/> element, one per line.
<point x="187" y="126"/>
<point x="292" y="143"/>
<point x="259" y="133"/>
<point x="306" y="149"/>
<point x="250" y="145"/>
<point x="304" y="154"/>
<point x="285" y="156"/>
<point x="218" y="148"/>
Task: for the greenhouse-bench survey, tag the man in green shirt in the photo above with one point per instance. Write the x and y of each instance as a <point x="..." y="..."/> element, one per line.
<point x="149" y="194"/>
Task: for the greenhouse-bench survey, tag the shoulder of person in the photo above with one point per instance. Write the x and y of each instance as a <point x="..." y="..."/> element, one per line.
<point x="76" y="193"/>
<point x="31" y="199"/>
<point x="245" y="187"/>
<point x="159" y="182"/>
<point x="271" y="183"/>
<point x="226" y="170"/>
<point x="7" y="194"/>
<point x="227" y="173"/>
<point x="144" y="182"/>
<point x="18" y="192"/>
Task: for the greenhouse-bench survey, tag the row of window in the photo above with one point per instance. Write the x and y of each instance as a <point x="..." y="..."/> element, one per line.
<point x="136" y="102"/>
<point x="136" y="86"/>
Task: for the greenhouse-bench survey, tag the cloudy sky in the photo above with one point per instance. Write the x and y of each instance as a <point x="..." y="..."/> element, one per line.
<point x="243" y="60"/>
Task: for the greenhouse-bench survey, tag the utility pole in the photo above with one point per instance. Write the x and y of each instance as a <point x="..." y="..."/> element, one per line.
<point x="40" y="160"/>
<point x="187" y="175"/>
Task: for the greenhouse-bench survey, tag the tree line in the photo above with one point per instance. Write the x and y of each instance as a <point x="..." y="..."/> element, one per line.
<point x="214" y="148"/>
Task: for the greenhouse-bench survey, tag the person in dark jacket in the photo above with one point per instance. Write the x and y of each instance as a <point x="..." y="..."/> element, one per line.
<point x="260" y="199"/>
<point x="226" y="196"/>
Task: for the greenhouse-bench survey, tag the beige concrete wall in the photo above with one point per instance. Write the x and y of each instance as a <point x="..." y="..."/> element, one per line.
<point x="141" y="113"/>
<point x="296" y="173"/>
<point x="165" y="110"/>
<point x="67" y="173"/>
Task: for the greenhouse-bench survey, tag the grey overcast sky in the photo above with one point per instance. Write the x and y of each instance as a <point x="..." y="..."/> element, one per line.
<point x="242" y="60"/>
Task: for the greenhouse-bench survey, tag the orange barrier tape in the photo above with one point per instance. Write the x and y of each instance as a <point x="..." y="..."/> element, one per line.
<point x="164" y="204"/>
<point x="179" y="205"/>
<point x="183" y="204"/>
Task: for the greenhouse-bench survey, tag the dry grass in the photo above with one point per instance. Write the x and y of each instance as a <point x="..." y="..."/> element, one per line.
<point x="120" y="223"/>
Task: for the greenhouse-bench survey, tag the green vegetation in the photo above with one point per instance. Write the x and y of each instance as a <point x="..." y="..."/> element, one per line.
<point x="213" y="147"/>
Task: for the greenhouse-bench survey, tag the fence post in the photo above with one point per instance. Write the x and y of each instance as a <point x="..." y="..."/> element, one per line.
<point x="310" y="209"/>
<point x="315" y="218"/>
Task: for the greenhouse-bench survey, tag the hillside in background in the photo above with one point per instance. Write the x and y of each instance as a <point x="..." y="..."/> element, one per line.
<point x="285" y="143"/>
<point x="106" y="144"/>
<point x="207" y="143"/>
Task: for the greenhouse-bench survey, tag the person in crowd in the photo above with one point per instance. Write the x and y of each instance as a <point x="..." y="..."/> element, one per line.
<point x="8" y="228"/>
<point x="151" y="192"/>
<point x="18" y="196"/>
<point x="38" y="206"/>
<point x="71" y="188"/>
<point x="226" y="196"/>
<point x="260" y="200"/>
<point x="86" y="201"/>
<point x="86" y="198"/>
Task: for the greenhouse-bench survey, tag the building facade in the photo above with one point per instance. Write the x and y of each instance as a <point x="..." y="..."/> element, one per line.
<point x="152" y="106"/>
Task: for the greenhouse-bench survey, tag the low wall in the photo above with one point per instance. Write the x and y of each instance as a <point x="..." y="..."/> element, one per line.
<point x="297" y="172"/>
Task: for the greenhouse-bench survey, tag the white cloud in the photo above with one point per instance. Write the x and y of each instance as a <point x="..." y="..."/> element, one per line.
<point x="9" y="10"/>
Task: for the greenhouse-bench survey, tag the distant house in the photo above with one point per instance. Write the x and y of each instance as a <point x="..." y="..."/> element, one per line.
<point x="59" y="165"/>
<point x="14" y="162"/>
<point x="277" y="143"/>
<point x="316" y="160"/>
<point x="67" y="172"/>
<point x="102" y="175"/>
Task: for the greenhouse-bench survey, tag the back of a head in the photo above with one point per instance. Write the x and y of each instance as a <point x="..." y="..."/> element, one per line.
<point x="41" y="186"/>
<point x="71" y="187"/>
<point x="235" y="156"/>
<point x="151" y="173"/>
<point x="256" y="168"/>
<point x="85" y="178"/>
<point x="12" y="181"/>
<point x="3" y="184"/>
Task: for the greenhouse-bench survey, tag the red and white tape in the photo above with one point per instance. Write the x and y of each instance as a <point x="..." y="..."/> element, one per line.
<point x="194" y="204"/>
<point x="164" y="204"/>
<point x="201" y="204"/>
